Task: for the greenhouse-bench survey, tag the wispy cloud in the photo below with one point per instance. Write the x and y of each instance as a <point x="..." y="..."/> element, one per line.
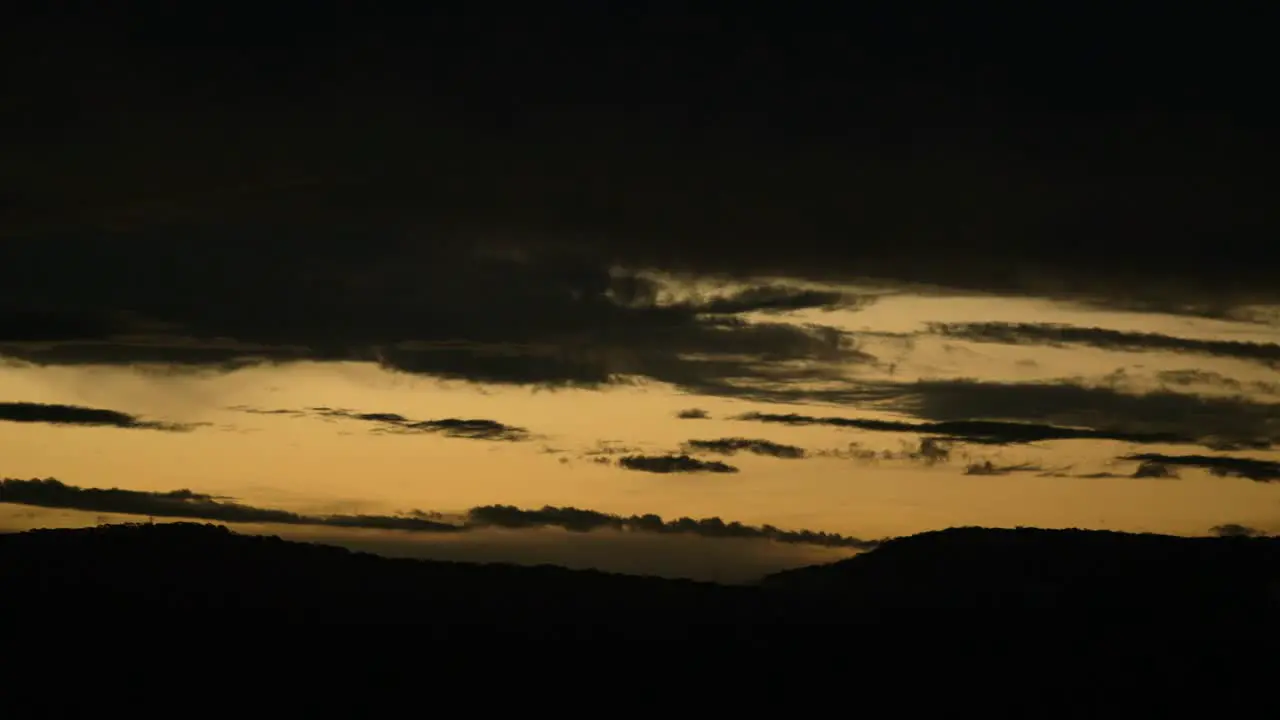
<point x="29" y="412"/>
<point x="1211" y="379"/>
<point x="928" y="450"/>
<point x="693" y="414"/>
<point x="51" y="493"/>
<point x="471" y="429"/>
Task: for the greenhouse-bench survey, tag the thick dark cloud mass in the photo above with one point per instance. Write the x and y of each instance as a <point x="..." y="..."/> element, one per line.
<point x="1249" y="468"/>
<point x="28" y="412"/>
<point x="732" y="446"/>
<point x="197" y="506"/>
<point x="474" y="429"/>
<point x="1055" y="334"/>
<point x="256" y="177"/>
<point x="693" y="414"/>
<point x="673" y="464"/>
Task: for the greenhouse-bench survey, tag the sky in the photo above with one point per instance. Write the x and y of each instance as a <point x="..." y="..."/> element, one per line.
<point x="434" y="285"/>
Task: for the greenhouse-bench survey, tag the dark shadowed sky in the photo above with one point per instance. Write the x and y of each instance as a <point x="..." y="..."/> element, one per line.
<point x="988" y="266"/>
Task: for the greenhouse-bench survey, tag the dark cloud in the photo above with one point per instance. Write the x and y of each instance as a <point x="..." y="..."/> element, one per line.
<point x="1236" y="530"/>
<point x="693" y="414"/>
<point x="172" y="353"/>
<point x="472" y="429"/>
<point x="1056" y="334"/>
<point x="50" y="493"/>
<point x="775" y="299"/>
<point x="1154" y="469"/>
<point x="187" y="504"/>
<point x="985" y="432"/>
<point x="45" y="324"/>
<point x="1249" y="468"/>
<point x="29" y="412"/>
<point x="1006" y="413"/>
<point x="732" y="446"/>
<point x="931" y="450"/>
<point x="673" y="464"/>
<point x="986" y="467"/>
<point x="697" y="153"/>
<point x="1209" y="378"/>
<point x="553" y="322"/>
<point x="928" y="450"/>
<point x="605" y="448"/>
<point x="583" y="520"/>
<point x="1066" y="410"/>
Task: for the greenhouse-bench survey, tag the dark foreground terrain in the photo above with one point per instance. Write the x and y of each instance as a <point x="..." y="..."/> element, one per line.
<point x="1046" y="623"/>
<point x="1053" y="573"/>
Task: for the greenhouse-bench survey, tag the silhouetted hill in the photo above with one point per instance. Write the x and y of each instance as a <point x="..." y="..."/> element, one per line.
<point x="1067" y="570"/>
<point x="206" y="568"/>
<point x="193" y="567"/>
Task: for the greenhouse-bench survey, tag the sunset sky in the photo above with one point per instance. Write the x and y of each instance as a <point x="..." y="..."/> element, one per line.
<point x="370" y="283"/>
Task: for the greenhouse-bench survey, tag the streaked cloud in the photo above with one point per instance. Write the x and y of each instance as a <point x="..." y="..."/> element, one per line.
<point x="54" y="414"/>
<point x="196" y="506"/>
<point x="985" y="432"/>
<point x="1057" y="334"/>
<point x="471" y="429"/>
<point x="1068" y="409"/>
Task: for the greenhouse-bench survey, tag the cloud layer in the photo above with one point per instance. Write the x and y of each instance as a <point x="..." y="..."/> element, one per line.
<point x="549" y="322"/>
<point x="51" y="493"/>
